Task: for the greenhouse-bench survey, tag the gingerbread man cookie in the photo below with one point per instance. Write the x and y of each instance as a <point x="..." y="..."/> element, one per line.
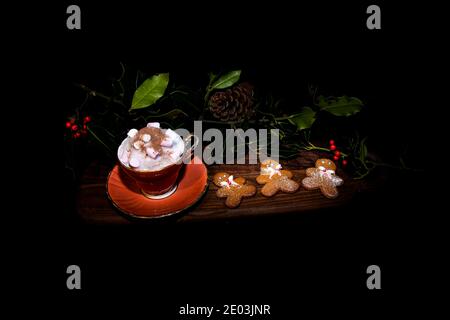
<point x="232" y="189"/>
<point x="323" y="177"/>
<point x="275" y="179"/>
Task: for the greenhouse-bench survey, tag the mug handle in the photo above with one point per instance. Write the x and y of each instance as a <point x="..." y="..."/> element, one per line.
<point x="188" y="152"/>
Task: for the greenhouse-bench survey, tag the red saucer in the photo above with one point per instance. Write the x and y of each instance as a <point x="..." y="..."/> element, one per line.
<point x="127" y="197"/>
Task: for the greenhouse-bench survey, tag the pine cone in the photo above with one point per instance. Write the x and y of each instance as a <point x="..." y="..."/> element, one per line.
<point x="233" y="104"/>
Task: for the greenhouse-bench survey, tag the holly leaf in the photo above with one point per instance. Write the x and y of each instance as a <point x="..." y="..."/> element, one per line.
<point x="340" y="106"/>
<point x="363" y="149"/>
<point x="227" y="80"/>
<point x="150" y="91"/>
<point x="304" y="119"/>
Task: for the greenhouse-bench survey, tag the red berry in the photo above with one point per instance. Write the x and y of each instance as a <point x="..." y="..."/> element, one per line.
<point x="76" y="135"/>
<point x="87" y="119"/>
<point x="68" y="124"/>
<point x="74" y="127"/>
<point x="337" y="153"/>
<point x="332" y="147"/>
<point x="344" y="162"/>
<point x="72" y="120"/>
<point x="336" y="158"/>
<point x="84" y="127"/>
<point x="331" y="142"/>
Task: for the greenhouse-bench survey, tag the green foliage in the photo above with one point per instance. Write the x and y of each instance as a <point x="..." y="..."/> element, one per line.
<point x="178" y="105"/>
<point x="225" y="81"/>
<point x="363" y="150"/>
<point x="340" y="106"/>
<point x="150" y="91"/>
<point x="304" y="119"/>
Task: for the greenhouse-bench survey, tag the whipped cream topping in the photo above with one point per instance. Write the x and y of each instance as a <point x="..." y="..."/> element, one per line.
<point x="150" y="148"/>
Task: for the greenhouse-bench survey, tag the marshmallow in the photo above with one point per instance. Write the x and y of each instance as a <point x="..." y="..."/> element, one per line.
<point x="134" y="162"/>
<point x="167" y="142"/>
<point x="153" y="125"/>
<point x="146" y="137"/>
<point x="136" y="158"/>
<point x="132" y="133"/>
<point x="152" y="153"/>
<point x="138" y="144"/>
<point x="171" y="134"/>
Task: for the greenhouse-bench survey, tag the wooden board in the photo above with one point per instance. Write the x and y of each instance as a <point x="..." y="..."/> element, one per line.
<point x="94" y="206"/>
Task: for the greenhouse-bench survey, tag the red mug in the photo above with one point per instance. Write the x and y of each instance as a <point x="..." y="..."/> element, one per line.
<point x="159" y="184"/>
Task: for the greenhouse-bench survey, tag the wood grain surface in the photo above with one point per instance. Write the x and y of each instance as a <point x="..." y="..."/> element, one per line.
<point x="94" y="206"/>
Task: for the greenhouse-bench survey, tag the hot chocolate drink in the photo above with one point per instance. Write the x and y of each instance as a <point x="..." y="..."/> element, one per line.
<point x="153" y="157"/>
<point x="151" y="148"/>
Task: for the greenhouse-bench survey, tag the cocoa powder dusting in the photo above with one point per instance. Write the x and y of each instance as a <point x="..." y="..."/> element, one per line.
<point x="157" y="136"/>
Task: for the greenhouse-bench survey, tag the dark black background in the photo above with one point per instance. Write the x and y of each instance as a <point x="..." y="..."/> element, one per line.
<point x="310" y="262"/>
